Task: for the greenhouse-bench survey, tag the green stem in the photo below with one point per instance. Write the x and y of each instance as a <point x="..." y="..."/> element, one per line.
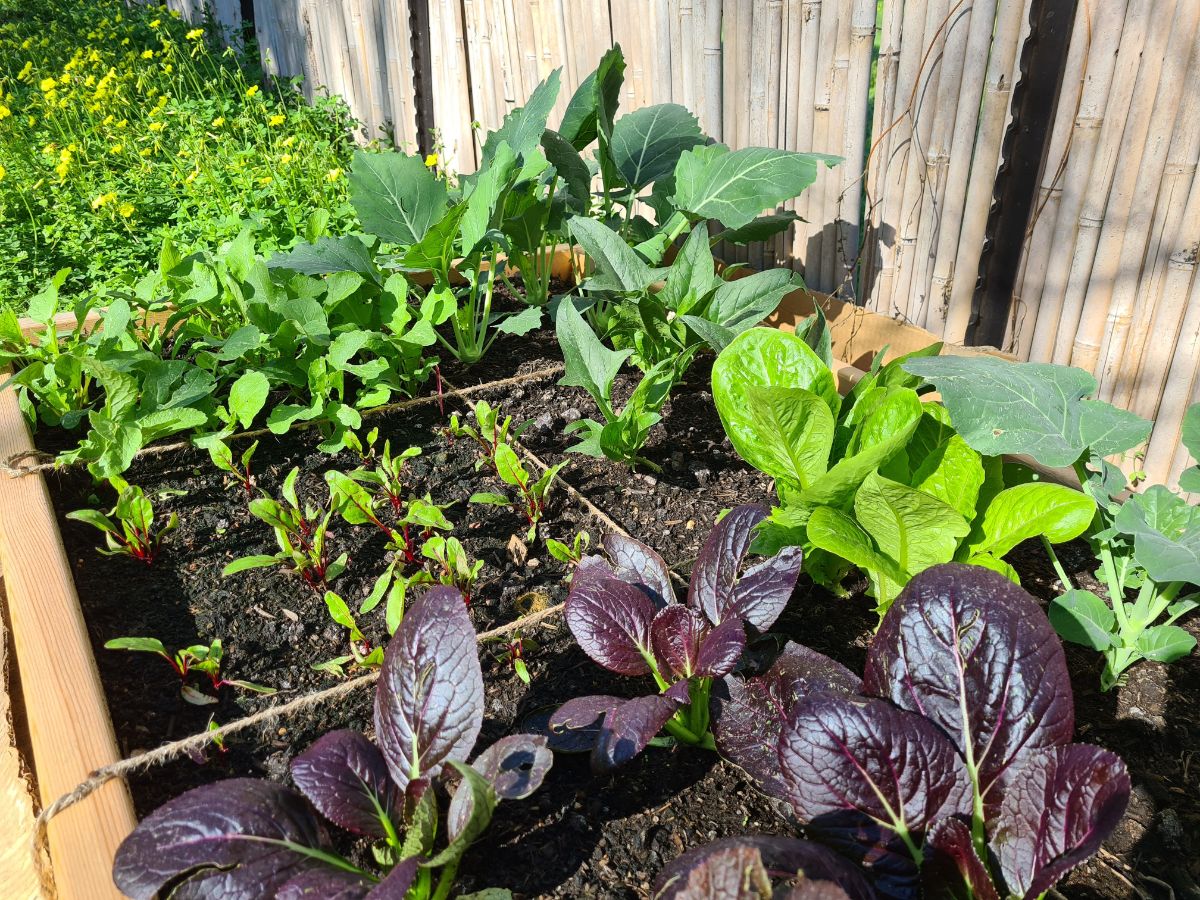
<point x="1058" y="568"/>
<point x="446" y="880"/>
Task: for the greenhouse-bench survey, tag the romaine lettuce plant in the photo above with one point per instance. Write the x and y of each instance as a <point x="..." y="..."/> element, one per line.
<point x="301" y="533"/>
<point x="623" y="612"/>
<point x="134" y="533"/>
<point x="948" y="769"/>
<point x="197" y="658"/>
<point x="879" y="480"/>
<point x="1149" y="544"/>
<point x="249" y="838"/>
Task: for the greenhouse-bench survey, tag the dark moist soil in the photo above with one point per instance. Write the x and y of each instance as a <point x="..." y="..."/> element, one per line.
<point x="580" y="835"/>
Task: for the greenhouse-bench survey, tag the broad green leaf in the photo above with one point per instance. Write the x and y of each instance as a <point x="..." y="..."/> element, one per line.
<point x="94" y="518"/>
<point x="1033" y="408"/>
<point x="1083" y="618"/>
<point x="1190" y="435"/>
<point x="570" y="167"/>
<point x="691" y="277"/>
<point x="596" y="99"/>
<point x="944" y="466"/>
<point x="329" y="254"/>
<point x="141" y="644"/>
<point x="745" y="302"/>
<point x="589" y="364"/>
<point x="1026" y="511"/>
<point x="1170" y="555"/>
<point x="791" y="436"/>
<point x="485" y="202"/>
<point x="490" y="499"/>
<point x="734" y="187"/>
<point x="647" y="143"/>
<point x="987" y="561"/>
<point x="435" y="251"/>
<point x="521" y="323"/>
<point x="248" y="396"/>
<point x="716" y="336"/>
<point x="395" y="195"/>
<point x="1165" y="643"/>
<point x="814" y="331"/>
<point x="761" y="229"/>
<point x="618" y="268"/>
<point x="914" y="529"/>
<point x="835" y="532"/>
<point x="308" y="316"/>
<point x="508" y="466"/>
<point x="768" y="357"/>
<point x="238" y="344"/>
<point x="522" y="128"/>
<point x="249" y="562"/>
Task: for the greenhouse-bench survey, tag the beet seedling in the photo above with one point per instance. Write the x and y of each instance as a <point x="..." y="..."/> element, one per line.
<point x="455" y="567"/>
<point x="301" y="534"/>
<point x="513" y="648"/>
<point x="570" y="555"/>
<point x="134" y="533"/>
<point x="222" y="458"/>
<point x="197" y="658"/>
<point x="386" y="479"/>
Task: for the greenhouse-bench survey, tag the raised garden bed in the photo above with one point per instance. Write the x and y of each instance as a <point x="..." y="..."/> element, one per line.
<point x="580" y="835"/>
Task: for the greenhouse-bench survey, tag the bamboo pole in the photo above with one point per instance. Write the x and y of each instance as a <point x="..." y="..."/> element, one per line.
<point x="923" y="114"/>
<point x="997" y="90"/>
<point x="1159" y="199"/>
<point x="785" y="137"/>
<point x="401" y="91"/>
<point x="711" y="108"/>
<point x="1136" y="137"/>
<point x="854" y="132"/>
<point x="818" y="208"/>
<point x="932" y="222"/>
<point x="1160" y="462"/>
<point x="810" y="13"/>
<point x="894" y="156"/>
<point x="885" y="105"/>
<point x="835" y="144"/>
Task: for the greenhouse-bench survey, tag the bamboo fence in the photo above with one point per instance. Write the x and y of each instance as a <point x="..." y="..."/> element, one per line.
<point x="915" y="95"/>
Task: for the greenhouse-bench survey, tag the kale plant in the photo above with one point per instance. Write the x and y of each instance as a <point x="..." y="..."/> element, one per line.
<point x="253" y="838"/>
<point x="623" y="612"/>
<point x="947" y="770"/>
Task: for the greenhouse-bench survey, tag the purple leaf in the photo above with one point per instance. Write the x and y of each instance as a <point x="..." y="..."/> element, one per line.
<point x="1059" y="805"/>
<point x="863" y="775"/>
<point x="515" y="765"/>
<point x="676" y="634"/>
<point x="325" y="884"/>
<point x="732" y="872"/>
<point x="637" y="564"/>
<point x="974" y="653"/>
<point x="779" y="857"/>
<point x="627" y="730"/>
<point x="721" y="648"/>
<point x="398" y="881"/>
<point x="575" y="725"/>
<point x="429" y="703"/>
<point x="748" y="715"/>
<point x="205" y="836"/>
<point x="761" y="594"/>
<point x="611" y="620"/>
<point x="345" y="777"/>
<point x="952" y="870"/>
<point x="680" y="692"/>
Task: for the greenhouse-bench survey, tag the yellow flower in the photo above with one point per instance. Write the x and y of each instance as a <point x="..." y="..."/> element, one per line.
<point x="333" y="174"/>
<point x="156" y="23"/>
<point x="5" y="112"/>
<point x="64" y="78"/>
<point x="25" y="70"/>
<point x="157" y="126"/>
<point x="286" y="158"/>
<point x="252" y="90"/>
<point x="103" y="199"/>
<point x="431" y="160"/>
<point x="2" y="173"/>
<point x="125" y="42"/>
<point x="27" y="43"/>
<point x="266" y="179"/>
<point x="116" y="148"/>
<point x="168" y="68"/>
<point x="191" y="176"/>
<point x="146" y="152"/>
<point x="48" y="85"/>
<point x="32" y="120"/>
<point x="287" y="142"/>
<point x="195" y="34"/>
<point x="125" y="209"/>
<point x="276" y="120"/>
<point x="123" y="123"/>
<point x="218" y="121"/>
<point x="147" y="54"/>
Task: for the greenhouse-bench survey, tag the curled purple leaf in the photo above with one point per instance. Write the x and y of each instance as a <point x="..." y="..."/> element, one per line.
<point x="325" y="884"/>
<point x="395" y="886"/>
<point x="780" y="857"/>
<point x="637" y="564"/>
<point x="611" y="620"/>
<point x="627" y="730"/>
<point x="951" y="869"/>
<point x="868" y="778"/>
<point x="720" y="649"/>
<point x="515" y="765"/>
<point x="748" y="715"/>
<point x="676" y="634"/>
<point x="429" y="703"/>
<point x="575" y="725"/>
<point x="757" y="597"/>
<point x="345" y="777"/>
<point x="206" y="837"/>
<point x="1059" y="805"/>
<point x="974" y="653"/>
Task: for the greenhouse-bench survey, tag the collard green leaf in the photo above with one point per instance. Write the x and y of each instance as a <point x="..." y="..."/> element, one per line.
<point x="522" y="128"/>
<point x="610" y="619"/>
<point x="647" y="143"/>
<point x="589" y="364"/>
<point x="429" y="704"/>
<point x="485" y="202"/>
<point x="761" y="229"/>
<point x="1083" y="618"/>
<point x="719" y="590"/>
<point x="975" y="654"/>
<point x="206" y="837"/>
<point x="1059" y="806"/>
<point x="1166" y="534"/>
<point x="1027" y="511"/>
<point x="627" y="729"/>
<point x="745" y="302"/>
<point x="345" y="777"/>
<point x="436" y="250"/>
<point x="248" y="395"/>
<point x="618" y="268"/>
<point x="692" y="276"/>
<point x="570" y="167"/>
<point x="395" y="195"/>
<point x="595" y="101"/>
<point x="1165" y="643"/>
<point x="748" y="715"/>
<point x="733" y="187"/>
<point x="346" y="253"/>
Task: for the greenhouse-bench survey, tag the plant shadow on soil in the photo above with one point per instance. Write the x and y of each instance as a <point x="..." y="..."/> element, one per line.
<point x="580" y="835"/>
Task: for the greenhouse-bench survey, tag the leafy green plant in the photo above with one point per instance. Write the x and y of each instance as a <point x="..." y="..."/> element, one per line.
<point x="572" y="553"/>
<point x="496" y="451"/>
<point x="454" y="568"/>
<point x="134" y="532"/>
<point x="386" y="479"/>
<point x="1148" y="546"/>
<point x="203" y="658"/>
<point x="878" y="481"/>
<point x="512" y="650"/>
<point x="361" y="654"/>
<point x="222" y="458"/>
<point x="301" y="533"/>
